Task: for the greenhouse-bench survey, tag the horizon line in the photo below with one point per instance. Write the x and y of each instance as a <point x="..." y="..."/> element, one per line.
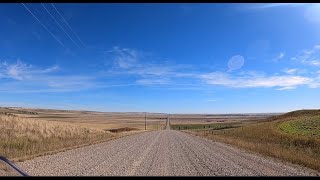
<point x="42" y="108"/>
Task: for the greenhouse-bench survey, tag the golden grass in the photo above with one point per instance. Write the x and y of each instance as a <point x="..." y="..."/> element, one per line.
<point x="91" y="119"/>
<point x="268" y="139"/>
<point x="26" y="133"/>
<point x="21" y="137"/>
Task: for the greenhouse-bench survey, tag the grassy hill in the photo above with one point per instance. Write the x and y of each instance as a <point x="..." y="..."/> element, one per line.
<point x="294" y="137"/>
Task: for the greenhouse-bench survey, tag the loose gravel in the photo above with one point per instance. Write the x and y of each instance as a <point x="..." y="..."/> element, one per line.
<point x="160" y="153"/>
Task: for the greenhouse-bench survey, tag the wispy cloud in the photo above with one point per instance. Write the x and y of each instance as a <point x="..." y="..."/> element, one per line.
<point x="22" y="71"/>
<point x="316" y="83"/>
<point x="279" y="57"/>
<point x="281" y="81"/>
<point x="146" y="67"/>
<point x="19" y="76"/>
<point x="125" y="58"/>
<point x="130" y="61"/>
<point x="149" y="72"/>
<point x="152" y="81"/>
<point x="274" y="5"/>
<point x="286" y="88"/>
<point x="309" y="56"/>
<point x="290" y="71"/>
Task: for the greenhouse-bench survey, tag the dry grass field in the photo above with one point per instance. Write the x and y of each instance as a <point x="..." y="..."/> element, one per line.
<point x="26" y="133"/>
<point x="292" y="137"/>
<point x="92" y="119"/>
<point x="22" y="138"/>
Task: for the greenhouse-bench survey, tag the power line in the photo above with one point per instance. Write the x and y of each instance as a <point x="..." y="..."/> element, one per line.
<point x="44" y="26"/>
<point x="68" y="25"/>
<point x="59" y="24"/>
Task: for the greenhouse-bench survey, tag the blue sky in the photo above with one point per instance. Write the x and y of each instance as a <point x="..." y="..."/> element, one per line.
<point x="172" y="58"/>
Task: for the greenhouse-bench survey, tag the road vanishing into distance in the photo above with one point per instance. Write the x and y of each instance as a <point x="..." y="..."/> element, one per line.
<point x="159" y="153"/>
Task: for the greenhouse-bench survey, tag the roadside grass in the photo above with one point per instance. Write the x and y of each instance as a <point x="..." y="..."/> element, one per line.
<point x="292" y="137"/>
<point x="24" y="137"/>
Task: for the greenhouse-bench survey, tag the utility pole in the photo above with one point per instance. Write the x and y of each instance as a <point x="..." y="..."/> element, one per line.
<point x="145" y="121"/>
<point x="167" y="123"/>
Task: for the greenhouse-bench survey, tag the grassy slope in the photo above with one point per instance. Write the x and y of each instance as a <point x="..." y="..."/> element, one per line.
<point x="275" y="138"/>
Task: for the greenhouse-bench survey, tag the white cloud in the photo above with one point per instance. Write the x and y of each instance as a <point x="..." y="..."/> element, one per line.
<point x="281" y="81"/>
<point x="125" y="58"/>
<point x="28" y="78"/>
<point x="147" y="72"/>
<point x="22" y="71"/>
<point x="315" y="62"/>
<point x="152" y="81"/>
<point x="129" y="61"/>
<point x="309" y="56"/>
<point x="152" y="70"/>
<point x="286" y="88"/>
<point x="280" y="56"/>
<point x="290" y="71"/>
<point x="235" y="62"/>
<point x="17" y="71"/>
<point x="316" y="83"/>
<point x="51" y="69"/>
<point x="274" y="5"/>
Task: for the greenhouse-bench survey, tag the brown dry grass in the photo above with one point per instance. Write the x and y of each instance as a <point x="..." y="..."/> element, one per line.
<point x="27" y="132"/>
<point x="21" y="137"/>
<point x="266" y="138"/>
<point x="91" y="119"/>
<point x="125" y="129"/>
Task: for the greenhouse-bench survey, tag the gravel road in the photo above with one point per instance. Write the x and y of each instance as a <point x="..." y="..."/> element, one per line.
<point x="159" y="153"/>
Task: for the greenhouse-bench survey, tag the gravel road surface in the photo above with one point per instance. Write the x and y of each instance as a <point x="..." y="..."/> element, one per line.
<point x="159" y="153"/>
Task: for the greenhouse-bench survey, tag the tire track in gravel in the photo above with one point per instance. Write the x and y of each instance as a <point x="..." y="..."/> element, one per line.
<point x="142" y="157"/>
<point x="160" y="153"/>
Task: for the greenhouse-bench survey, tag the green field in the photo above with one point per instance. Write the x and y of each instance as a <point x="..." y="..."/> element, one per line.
<point x="303" y="126"/>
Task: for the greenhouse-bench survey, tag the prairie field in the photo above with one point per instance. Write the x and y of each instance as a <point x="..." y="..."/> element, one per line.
<point x="21" y="137"/>
<point x="91" y="119"/>
<point x="26" y="133"/>
<point x="292" y="137"/>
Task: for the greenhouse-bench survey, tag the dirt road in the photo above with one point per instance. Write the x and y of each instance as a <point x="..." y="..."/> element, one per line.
<point x="159" y="153"/>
